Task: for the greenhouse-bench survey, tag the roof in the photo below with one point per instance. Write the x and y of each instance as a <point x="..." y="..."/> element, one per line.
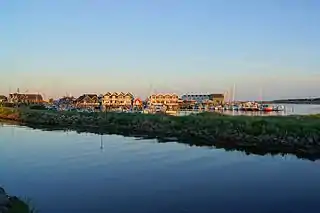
<point x="137" y="99"/>
<point x="27" y="96"/>
<point x="91" y="96"/>
<point x="218" y="95"/>
<point x="164" y="94"/>
<point x="118" y="94"/>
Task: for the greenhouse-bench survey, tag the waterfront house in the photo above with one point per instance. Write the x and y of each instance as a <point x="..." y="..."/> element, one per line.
<point x="25" y="98"/>
<point x="218" y="98"/>
<point x="169" y="101"/>
<point x="204" y="98"/>
<point x="138" y="104"/>
<point x="87" y="100"/>
<point x="118" y="100"/>
<point x="186" y="104"/>
<point x="3" y="99"/>
<point x="165" y="99"/>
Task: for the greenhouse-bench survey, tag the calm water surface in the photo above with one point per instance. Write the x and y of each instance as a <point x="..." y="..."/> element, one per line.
<point x="70" y="172"/>
<point x="290" y="109"/>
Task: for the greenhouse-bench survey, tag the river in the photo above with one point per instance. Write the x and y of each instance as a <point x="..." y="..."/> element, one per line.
<point x="69" y="172"/>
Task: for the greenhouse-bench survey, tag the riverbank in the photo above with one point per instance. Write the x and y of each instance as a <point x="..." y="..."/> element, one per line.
<point x="12" y="204"/>
<point x="298" y="135"/>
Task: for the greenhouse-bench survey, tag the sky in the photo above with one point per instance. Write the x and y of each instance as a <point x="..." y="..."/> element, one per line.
<point x="268" y="49"/>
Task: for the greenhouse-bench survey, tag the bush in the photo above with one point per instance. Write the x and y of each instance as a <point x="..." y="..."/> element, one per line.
<point x="6" y="104"/>
<point x="38" y="107"/>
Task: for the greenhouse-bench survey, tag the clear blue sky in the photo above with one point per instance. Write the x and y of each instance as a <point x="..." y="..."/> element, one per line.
<point x="75" y="46"/>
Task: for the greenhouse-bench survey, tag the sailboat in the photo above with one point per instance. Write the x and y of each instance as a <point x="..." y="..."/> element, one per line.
<point x="234" y="107"/>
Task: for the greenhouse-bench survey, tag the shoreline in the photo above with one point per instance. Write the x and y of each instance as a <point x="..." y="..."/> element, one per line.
<point x="297" y="135"/>
<point x="12" y="204"/>
<point x="296" y="103"/>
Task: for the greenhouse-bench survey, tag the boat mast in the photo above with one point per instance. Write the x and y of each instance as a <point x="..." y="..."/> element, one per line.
<point x="261" y="95"/>
<point x="233" y="93"/>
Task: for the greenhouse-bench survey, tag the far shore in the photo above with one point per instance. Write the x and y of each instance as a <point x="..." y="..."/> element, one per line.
<point x="296" y="102"/>
<point x="298" y="135"/>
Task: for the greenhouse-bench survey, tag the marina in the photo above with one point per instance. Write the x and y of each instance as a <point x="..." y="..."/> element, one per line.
<point x="178" y="110"/>
<point x="155" y="103"/>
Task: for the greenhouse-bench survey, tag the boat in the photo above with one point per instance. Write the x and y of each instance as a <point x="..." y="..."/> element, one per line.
<point x="235" y="108"/>
<point x="227" y="107"/>
<point x="171" y="112"/>
<point x="278" y="108"/>
<point x="267" y="108"/>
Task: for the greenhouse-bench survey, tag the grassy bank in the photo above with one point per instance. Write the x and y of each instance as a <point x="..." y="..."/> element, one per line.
<point x="12" y="204"/>
<point x="299" y="135"/>
<point x="21" y="206"/>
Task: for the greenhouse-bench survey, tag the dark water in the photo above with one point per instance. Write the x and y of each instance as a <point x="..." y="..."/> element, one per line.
<point x="67" y="172"/>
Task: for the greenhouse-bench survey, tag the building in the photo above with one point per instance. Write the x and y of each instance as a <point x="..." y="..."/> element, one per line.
<point x="169" y="101"/>
<point x="186" y="104"/>
<point x="204" y="98"/>
<point x="3" y="99"/>
<point x="165" y="99"/>
<point x="118" y="100"/>
<point x="218" y="98"/>
<point x="66" y="101"/>
<point x="87" y="100"/>
<point x="138" y="104"/>
<point x="25" y="98"/>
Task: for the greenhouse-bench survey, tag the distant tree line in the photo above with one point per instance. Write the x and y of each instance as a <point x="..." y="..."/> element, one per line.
<point x="299" y="101"/>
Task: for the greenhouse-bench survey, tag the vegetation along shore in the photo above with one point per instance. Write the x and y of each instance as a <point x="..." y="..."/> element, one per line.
<point x="298" y="135"/>
<point x="13" y="204"/>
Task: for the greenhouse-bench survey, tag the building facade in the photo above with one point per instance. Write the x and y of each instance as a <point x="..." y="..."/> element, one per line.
<point x="164" y="99"/>
<point x="165" y="102"/>
<point x="25" y="98"/>
<point x="3" y="99"/>
<point x="204" y="98"/>
<point x="118" y="99"/>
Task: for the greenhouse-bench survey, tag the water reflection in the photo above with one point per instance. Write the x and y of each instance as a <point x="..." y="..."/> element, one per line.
<point x="101" y="143"/>
<point x="67" y="173"/>
<point x="229" y="147"/>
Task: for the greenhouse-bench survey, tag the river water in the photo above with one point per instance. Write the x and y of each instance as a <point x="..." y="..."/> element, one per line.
<point x="64" y="172"/>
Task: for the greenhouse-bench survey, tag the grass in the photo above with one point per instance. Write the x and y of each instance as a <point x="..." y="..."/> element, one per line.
<point x="285" y="134"/>
<point x="22" y="206"/>
<point x="296" y="126"/>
